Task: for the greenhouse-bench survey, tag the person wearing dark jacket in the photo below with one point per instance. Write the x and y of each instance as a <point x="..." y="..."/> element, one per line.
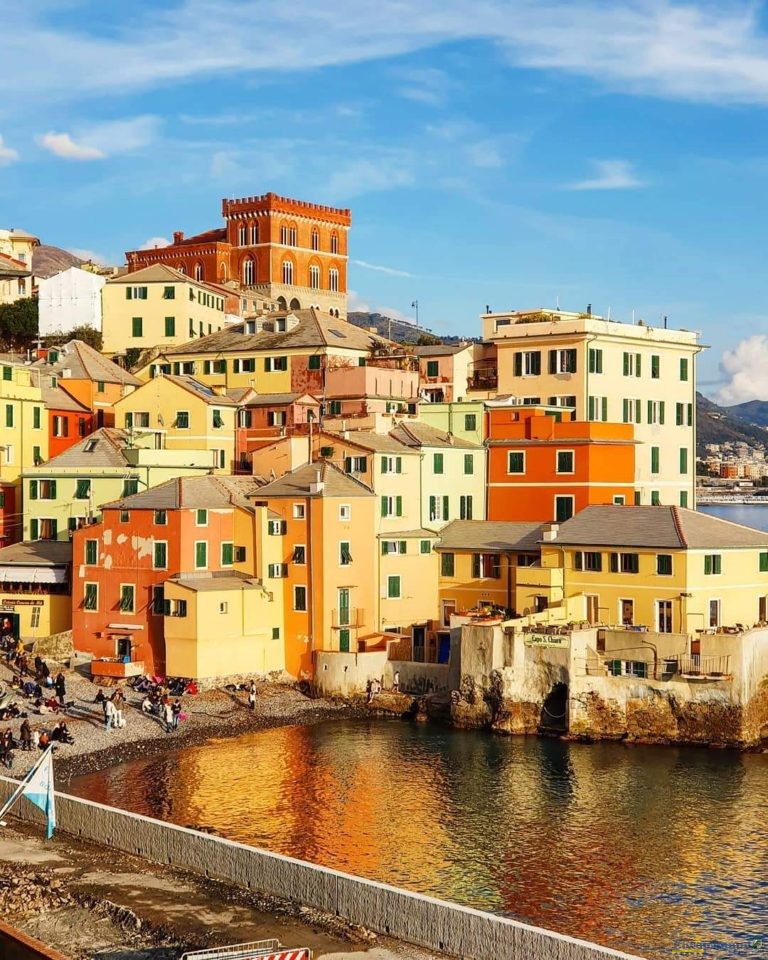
<point x="60" y="686"/>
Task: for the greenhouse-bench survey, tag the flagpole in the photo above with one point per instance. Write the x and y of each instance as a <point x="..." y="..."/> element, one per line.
<point x="19" y="790"/>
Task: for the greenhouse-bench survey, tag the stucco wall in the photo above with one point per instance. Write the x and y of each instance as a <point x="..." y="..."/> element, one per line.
<point x="346" y="674"/>
<point x="431" y="923"/>
<point x="419" y="678"/>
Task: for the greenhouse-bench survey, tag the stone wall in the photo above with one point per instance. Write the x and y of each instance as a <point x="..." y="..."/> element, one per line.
<point x="425" y="921"/>
<point x="347" y="674"/>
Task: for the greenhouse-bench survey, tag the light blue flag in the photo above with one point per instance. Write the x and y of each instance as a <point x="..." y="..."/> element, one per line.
<point x="39" y="790"/>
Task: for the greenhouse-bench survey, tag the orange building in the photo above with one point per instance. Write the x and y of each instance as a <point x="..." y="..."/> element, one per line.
<point x="289" y="250"/>
<point x="545" y="465"/>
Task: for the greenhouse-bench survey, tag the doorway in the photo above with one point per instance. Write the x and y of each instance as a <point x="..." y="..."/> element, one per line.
<point x="664" y="616"/>
<point x="418" y="644"/>
<point x="449" y="608"/>
<point x="593" y="608"/>
<point x="627" y="612"/>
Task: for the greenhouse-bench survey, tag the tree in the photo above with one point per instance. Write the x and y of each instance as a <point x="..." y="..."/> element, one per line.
<point x="86" y="333"/>
<point x="18" y="324"/>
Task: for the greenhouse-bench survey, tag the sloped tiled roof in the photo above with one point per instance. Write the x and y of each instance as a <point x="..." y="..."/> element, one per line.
<point x="55" y="398"/>
<point x="201" y="390"/>
<point x="162" y="273"/>
<point x="297" y="483"/>
<point x="103" y="448"/>
<point x="37" y="553"/>
<point x="230" y="581"/>
<point x="194" y="493"/>
<point x="417" y="434"/>
<point x="85" y="363"/>
<point x="672" y="528"/>
<point x="376" y="442"/>
<point x="314" y="329"/>
<point x="490" y="536"/>
<point x="440" y="349"/>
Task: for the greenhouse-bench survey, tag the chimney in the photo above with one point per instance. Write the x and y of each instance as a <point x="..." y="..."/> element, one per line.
<point x="178" y="236"/>
<point x="549" y="532"/>
<point x="316" y="486"/>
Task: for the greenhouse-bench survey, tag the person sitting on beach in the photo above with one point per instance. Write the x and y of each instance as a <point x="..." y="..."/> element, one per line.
<point x="43" y="740"/>
<point x="61" y="733"/>
<point x="146" y="705"/>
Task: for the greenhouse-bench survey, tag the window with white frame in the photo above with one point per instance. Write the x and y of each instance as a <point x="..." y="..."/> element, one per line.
<point x="242" y="235"/>
<point x="333" y="280"/>
<point x="565" y="461"/>
<point x="314" y="277"/>
<point x="345" y="511"/>
<point x="287" y="272"/>
<point x="299" y="510"/>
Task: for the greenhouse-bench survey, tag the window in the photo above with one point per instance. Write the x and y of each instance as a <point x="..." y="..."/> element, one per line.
<point x="355" y="464"/>
<point x="201" y="518"/>
<point x="217" y="419"/>
<point x="562" y="401"/>
<point x="345" y="511"/>
<point x="469" y="463"/>
<point x="130" y="486"/>
<point x="680" y="414"/>
<point x="315" y="239"/>
<point x="345" y="556"/>
<point x="437" y="463"/>
<point x="597" y="408"/>
<point x="439" y="508"/>
<point x="227" y="554"/>
<point x="170" y="326"/>
<point x="298" y="511"/>
<point x="276" y="528"/>
<point x="42" y="489"/>
<point x="35" y="418"/>
<point x="91" y="598"/>
<point x="684" y="498"/>
<point x="516" y="461"/>
<point x="619" y="500"/>
<point x="8" y="371"/>
<point x="425" y="546"/>
<point x="201" y="554"/>
<point x="334" y="408"/>
<point x="654" y="459"/>
<point x="595" y="359"/>
<point x="562" y="361"/>
<point x="334" y="243"/>
<point x="83" y="489"/>
<point x="588" y="560"/>
<point x="248" y="272"/>
<point x="276" y="418"/>
<point x="683" y="460"/>
<point x="182" y="420"/>
<point x="81" y="426"/>
<point x="433" y="368"/>
<point x="714" y="613"/>
<point x="37" y="456"/>
<point x="391" y="506"/>
<point x="712" y="564"/>
<point x="465" y="508"/>
<point x="157" y="605"/>
<point x="563" y="509"/>
<point x="631" y="411"/>
<point x="391" y="464"/>
<point x="625" y="563"/>
<point x="656" y="411"/>
<point x="470" y="421"/>
<point x="314" y="277"/>
<point x="91" y="552"/>
<point x="632" y="366"/>
<point x="683" y="368"/>
<point x="299" y="554"/>
<point x="169" y="293"/>
<point x="689" y="407"/>
<point x="447" y="564"/>
<point x="287" y="272"/>
<point x="764" y="561"/>
<point x="655" y="498"/>
<point x="655" y="366"/>
<point x="254" y="233"/>
<point x="127" y="596"/>
<point x="393" y="588"/>
<point x="528" y="363"/>
<point x="242" y="235"/>
<point x="300" y="598"/>
<point x="664" y="564"/>
<point x="9" y="414"/>
<point x="137" y="326"/>
<point x="486" y="566"/>
<point x="664" y="617"/>
<point x="275" y="363"/>
<point x="314" y="362"/>
<point x="565" y="461"/>
<point x="135" y="293"/>
<point x="333" y="280"/>
<point x="160" y="555"/>
<point x="125" y="516"/>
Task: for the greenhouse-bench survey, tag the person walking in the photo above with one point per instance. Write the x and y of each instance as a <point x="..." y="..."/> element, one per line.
<point x="60" y="686"/>
<point x="118" y="700"/>
<point x="396" y="681"/>
<point x="252" y="696"/>
<point x="176" y="712"/>
<point x="110" y="715"/>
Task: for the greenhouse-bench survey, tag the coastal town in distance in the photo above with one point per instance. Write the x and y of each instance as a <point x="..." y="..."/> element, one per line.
<point x="383" y="480"/>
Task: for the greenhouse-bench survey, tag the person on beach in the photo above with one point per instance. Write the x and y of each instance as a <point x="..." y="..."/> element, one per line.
<point x="25" y="735"/>
<point x="252" y="696"/>
<point x="118" y="701"/>
<point x="60" y="685"/>
<point x="110" y="715"/>
<point x="396" y="681"/>
<point x="176" y="711"/>
<point x="168" y="715"/>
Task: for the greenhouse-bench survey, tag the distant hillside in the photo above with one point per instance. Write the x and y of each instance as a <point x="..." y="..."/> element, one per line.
<point x="721" y="425"/>
<point x="754" y="411"/>
<point x="48" y="261"/>
<point x="398" y="330"/>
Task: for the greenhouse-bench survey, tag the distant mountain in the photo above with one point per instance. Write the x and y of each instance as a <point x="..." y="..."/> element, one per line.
<point x="723" y="425"/>
<point x="48" y="261"/>
<point x="398" y="330"/>
<point x="755" y="411"/>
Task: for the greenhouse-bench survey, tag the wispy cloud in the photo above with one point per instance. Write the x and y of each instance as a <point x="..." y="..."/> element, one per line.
<point x="62" y="145"/>
<point x="7" y="154"/>
<point x="155" y="242"/>
<point x="90" y="255"/>
<point x="364" y="175"/>
<point x="609" y="175"/>
<point x="426" y="85"/>
<point x="390" y="271"/>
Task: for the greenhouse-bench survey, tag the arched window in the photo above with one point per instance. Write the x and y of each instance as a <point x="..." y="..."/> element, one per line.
<point x="241" y="236"/>
<point x="198" y="271"/>
<point x="295" y="305"/>
<point x="254" y="233"/>
<point x="315" y="238"/>
<point x="248" y="272"/>
<point x="314" y="276"/>
<point x="181" y="268"/>
<point x="282" y="303"/>
<point x="333" y="280"/>
<point x="334" y="242"/>
<point x="284" y="235"/>
<point x="287" y="271"/>
<point x="292" y="234"/>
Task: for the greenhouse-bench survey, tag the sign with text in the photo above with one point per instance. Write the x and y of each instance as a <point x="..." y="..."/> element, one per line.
<point x="546" y="639"/>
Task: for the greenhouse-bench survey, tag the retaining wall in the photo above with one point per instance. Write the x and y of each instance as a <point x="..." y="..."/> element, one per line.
<point x="431" y="923"/>
<point x="15" y="945"/>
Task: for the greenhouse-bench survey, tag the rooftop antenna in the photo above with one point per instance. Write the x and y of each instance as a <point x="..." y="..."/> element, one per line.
<point x="665" y="321"/>
<point x="633" y="316"/>
<point x="557" y="303"/>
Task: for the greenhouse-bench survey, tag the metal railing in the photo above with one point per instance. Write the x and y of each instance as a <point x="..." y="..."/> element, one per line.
<point x="237" y="951"/>
<point x="347" y="618"/>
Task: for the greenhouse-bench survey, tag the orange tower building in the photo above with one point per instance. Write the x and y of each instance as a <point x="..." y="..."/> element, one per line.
<point x="289" y="250"/>
<point x="543" y="465"/>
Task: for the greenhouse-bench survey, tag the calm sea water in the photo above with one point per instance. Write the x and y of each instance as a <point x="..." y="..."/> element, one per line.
<point x="652" y="850"/>
<point x="750" y="514"/>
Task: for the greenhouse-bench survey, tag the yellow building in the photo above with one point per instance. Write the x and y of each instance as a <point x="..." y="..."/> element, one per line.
<point x="614" y="372"/>
<point x="663" y="569"/>
<point x="36" y="587"/>
<point x="16" y="249"/>
<point x="67" y="491"/>
<point x="158" y="307"/>
<point x="182" y="413"/>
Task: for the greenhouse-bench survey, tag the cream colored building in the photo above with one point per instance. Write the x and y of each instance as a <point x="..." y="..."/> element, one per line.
<point x="158" y="307"/>
<point x="16" y="248"/>
<point x="609" y="371"/>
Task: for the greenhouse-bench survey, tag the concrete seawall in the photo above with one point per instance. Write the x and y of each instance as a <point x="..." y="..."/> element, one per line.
<point x="15" y="945"/>
<point x="425" y="921"/>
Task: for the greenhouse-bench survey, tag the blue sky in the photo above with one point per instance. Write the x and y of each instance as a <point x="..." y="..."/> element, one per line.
<point x="501" y="152"/>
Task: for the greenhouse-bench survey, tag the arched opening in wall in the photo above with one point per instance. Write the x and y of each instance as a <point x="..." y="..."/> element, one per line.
<point x="554" y="709"/>
<point x="315" y="238"/>
<point x="282" y="303"/>
<point x="254" y="233"/>
<point x="334" y="242"/>
<point x="223" y="271"/>
<point x="248" y="271"/>
<point x="314" y="277"/>
<point x="181" y="268"/>
<point x="295" y="305"/>
<point x="198" y="271"/>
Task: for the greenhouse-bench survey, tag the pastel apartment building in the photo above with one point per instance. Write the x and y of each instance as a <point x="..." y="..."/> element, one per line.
<point x="69" y="299"/>
<point x="609" y="372"/>
<point x="288" y="250"/>
<point x="16" y="250"/>
<point x="444" y="370"/>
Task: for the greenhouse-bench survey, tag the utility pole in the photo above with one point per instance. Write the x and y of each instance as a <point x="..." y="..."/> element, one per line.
<point x="415" y="305"/>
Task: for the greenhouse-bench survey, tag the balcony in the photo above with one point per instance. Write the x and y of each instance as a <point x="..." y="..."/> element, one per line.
<point x="349" y="618"/>
<point x="483" y="378"/>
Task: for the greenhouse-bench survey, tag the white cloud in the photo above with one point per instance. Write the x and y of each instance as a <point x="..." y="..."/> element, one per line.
<point x="62" y="145"/>
<point x="155" y="242"/>
<point x="7" y="154"/>
<point x="485" y="154"/>
<point x="380" y="269"/>
<point x="356" y="304"/>
<point x="425" y="85"/>
<point x="745" y="367"/>
<point x="92" y="255"/>
<point x="609" y="175"/>
<point x="361" y="176"/>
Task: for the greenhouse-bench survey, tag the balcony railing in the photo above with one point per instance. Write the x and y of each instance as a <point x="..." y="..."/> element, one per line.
<point x="486" y="378"/>
<point x="349" y="618"/>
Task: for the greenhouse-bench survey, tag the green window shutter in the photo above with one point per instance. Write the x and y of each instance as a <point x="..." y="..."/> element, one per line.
<point x="33" y="489"/>
<point x="384" y="548"/>
<point x="54" y="529"/>
<point x="53" y="490"/>
<point x="34" y="528"/>
<point x="384" y="465"/>
<point x="572" y="355"/>
<point x="655" y="498"/>
<point x="136" y="326"/>
<point x="314" y="362"/>
<point x="654" y="459"/>
<point x="398" y="464"/>
<point x="626" y="364"/>
<point x="683" y="368"/>
<point x="201" y="555"/>
<point x="438" y="462"/>
<point x="129" y="421"/>
<point x="432" y="507"/>
<point x="637" y="364"/>
<point x="716" y="563"/>
<point x="518" y="364"/>
<point x="655" y="366"/>
<point x="625" y="409"/>
<point x="170" y="326"/>
<point x="708" y="564"/>
<point x="591" y="408"/>
<point x="426" y="547"/>
<point x="403" y="546"/>
<point x="650" y="411"/>
<point x="227" y="554"/>
<point x="91" y="551"/>
<point x="384" y="506"/>
<point x="679" y="414"/>
<point x="469" y="463"/>
<point x="683" y="459"/>
<point x="605" y="408"/>
<point x="637" y="411"/>
<point x="591" y="361"/>
<point x="662" y="407"/>
<point x="398" y="506"/>
<point x="684" y="498"/>
<point x="476" y="565"/>
<point x="446" y="564"/>
<point x="129" y="293"/>
<point x="690" y="414"/>
<point x="36" y="418"/>
<point x="614" y="563"/>
<point x="764" y="562"/>
<point x="445" y="508"/>
<point x="9" y="414"/>
<point x="553" y="361"/>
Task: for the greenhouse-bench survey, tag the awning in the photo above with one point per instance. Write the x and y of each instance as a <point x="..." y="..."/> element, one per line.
<point x="125" y="626"/>
<point x="33" y="574"/>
